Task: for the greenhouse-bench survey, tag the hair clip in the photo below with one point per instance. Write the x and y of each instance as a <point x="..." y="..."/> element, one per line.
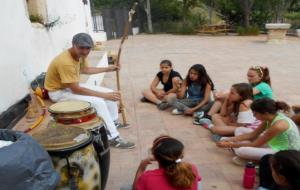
<point x="178" y="161"/>
<point x="259" y="69"/>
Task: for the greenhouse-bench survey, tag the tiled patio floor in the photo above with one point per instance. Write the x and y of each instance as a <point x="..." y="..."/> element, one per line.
<point x="227" y="59"/>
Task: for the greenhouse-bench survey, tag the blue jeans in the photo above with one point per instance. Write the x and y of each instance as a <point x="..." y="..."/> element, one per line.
<point x="186" y="103"/>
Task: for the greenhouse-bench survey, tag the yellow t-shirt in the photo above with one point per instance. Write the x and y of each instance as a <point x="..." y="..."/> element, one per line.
<point x="63" y="70"/>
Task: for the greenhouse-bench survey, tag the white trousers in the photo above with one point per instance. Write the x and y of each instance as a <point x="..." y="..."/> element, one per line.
<point x="107" y="109"/>
<point x="251" y="153"/>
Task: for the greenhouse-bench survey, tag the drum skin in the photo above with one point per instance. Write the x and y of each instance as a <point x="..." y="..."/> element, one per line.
<point x="70" y="106"/>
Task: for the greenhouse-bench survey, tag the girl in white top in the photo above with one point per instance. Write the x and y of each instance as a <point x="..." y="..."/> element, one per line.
<point x="235" y="111"/>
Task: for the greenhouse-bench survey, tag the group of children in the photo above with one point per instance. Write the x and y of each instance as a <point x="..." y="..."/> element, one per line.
<point x="245" y="120"/>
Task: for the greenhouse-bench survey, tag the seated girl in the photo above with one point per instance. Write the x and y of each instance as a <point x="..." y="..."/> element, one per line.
<point x="172" y="173"/>
<point x="170" y="80"/>
<point x="235" y="112"/>
<point x="194" y="93"/>
<point x="258" y="77"/>
<point x="280" y="171"/>
<point x="296" y="117"/>
<point x="277" y="132"/>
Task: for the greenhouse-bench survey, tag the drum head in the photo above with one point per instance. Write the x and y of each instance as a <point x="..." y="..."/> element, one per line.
<point x="63" y="138"/>
<point x="71" y="106"/>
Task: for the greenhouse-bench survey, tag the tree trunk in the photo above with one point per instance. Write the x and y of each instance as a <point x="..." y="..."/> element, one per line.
<point x="185" y="11"/>
<point x="147" y="8"/>
<point x="211" y="8"/>
<point x="247" y="19"/>
<point x="246" y="6"/>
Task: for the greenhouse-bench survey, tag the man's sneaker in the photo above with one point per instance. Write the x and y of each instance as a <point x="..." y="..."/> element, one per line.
<point x="163" y="105"/>
<point x="120" y="125"/>
<point x="143" y="99"/>
<point x="199" y="114"/>
<point x="118" y="142"/>
<point x="177" y="112"/>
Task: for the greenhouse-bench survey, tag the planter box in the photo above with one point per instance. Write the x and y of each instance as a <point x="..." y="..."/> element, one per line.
<point x="277" y="32"/>
<point x="298" y="32"/>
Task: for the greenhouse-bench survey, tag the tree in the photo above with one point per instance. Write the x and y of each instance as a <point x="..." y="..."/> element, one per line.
<point x="147" y="8"/>
<point x="112" y="3"/>
<point x="186" y="5"/>
<point x="230" y="11"/>
<point x="246" y="6"/>
<point x="279" y="8"/>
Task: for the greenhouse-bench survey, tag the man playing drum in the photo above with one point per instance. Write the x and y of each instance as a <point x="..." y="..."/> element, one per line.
<point x="62" y="83"/>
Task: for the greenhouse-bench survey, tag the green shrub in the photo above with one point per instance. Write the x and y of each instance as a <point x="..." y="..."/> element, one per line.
<point x="197" y="17"/>
<point x="174" y="27"/>
<point x="250" y="31"/>
<point x="292" y="16"/>
<point x="186" y="29"/>
<point x="293" y="19"/>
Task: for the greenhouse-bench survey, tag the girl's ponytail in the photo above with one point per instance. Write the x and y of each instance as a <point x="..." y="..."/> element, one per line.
<point x="280" y="105"/>
<point x="266" y="75"/>
<point x="263" y="73"/>
<point x="180" y="175"/>
<point x="169" y="152"/>
<point x="267" y="105"/>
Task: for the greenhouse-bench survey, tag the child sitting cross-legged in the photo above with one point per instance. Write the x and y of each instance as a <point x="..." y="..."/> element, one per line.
<point x="194" y="93"/>
<point x="170" y="80"/>
<point x="235" y="112"/>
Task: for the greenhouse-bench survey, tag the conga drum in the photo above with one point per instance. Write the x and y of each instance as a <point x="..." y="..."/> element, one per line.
<point x="81" y="114"/>
<point x="73" y="156"/>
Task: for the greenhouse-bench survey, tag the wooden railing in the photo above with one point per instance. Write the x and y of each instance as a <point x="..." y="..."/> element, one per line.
<point x="214" y="28"/>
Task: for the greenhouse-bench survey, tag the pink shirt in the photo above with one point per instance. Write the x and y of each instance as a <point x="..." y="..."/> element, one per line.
<point x="155" y="179"/>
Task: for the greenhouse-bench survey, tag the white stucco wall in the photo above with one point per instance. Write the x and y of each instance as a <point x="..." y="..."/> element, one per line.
<point x="30" y="49"/>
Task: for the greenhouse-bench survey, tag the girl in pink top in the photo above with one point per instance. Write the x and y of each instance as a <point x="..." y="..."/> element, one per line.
<point x="172" y="174"/>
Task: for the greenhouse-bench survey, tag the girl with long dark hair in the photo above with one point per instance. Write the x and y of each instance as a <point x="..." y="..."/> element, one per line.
<point x="280" y="171"/>
<point x="237" y="114"/>
<point x="194" y="93"/>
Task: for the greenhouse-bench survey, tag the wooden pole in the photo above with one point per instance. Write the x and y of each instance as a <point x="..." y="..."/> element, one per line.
<point x="125" y="35"/>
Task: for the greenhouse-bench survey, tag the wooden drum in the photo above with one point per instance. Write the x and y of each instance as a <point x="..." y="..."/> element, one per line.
<point x="73" y="156"/>
<point x="81" y="114"/>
